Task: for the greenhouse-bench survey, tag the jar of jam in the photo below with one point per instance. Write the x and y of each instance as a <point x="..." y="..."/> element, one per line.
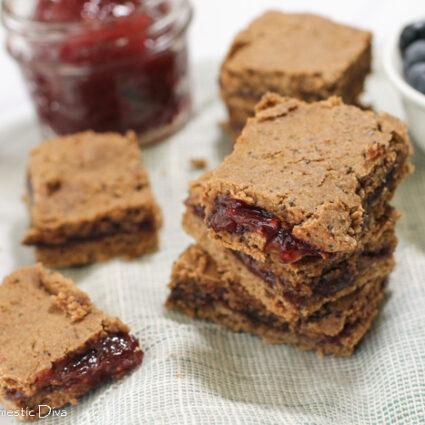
<point x="106" y="65"/>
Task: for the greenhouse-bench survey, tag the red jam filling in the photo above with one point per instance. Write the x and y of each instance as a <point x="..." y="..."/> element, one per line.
<point x="238" y="217"/>
<point x="110" y="357"/>
<point x="104" y="74"/>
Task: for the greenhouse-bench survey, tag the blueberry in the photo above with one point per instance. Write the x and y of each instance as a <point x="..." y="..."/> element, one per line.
<point x="414" y="53"/>
<point x="411" y="33"/>
<point x="415" y="76"/>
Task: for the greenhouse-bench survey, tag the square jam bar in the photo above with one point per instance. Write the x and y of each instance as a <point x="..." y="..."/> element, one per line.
<point x="304" y="179"/>
<point x="298" y="55"/>
<point x="199" y="290"/>
<point x="55" y="345"/>
<point x="89" y="200"/>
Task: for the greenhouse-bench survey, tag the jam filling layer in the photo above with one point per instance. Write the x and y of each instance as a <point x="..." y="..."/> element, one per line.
<point x="117" y="229"/>
<point x="101" y="359"/>
<point x="202" y="300"/>
<point x="325" y="287"/>
<point x="102" y="227"/>
<point x="235" y="216"/>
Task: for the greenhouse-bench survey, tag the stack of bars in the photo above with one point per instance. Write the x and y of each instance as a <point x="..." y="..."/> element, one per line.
<point x="295" y="236"/>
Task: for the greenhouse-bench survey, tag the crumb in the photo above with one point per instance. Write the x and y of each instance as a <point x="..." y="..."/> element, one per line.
<point x="171" y="356"/>
<point x="179" y="375"/>
<point x="76" y="308"/>
<point x="198" y="163"/>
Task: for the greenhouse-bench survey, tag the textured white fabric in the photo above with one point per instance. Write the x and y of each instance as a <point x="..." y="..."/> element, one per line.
<point x="196" y="372"/>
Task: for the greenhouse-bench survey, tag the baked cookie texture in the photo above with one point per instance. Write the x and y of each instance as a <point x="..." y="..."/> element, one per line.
<point x="294" y="232"/>
<point x="199" y="290"/>
<point x="318" y="172"/>
<point x="290" y="295"/>
<point x="90" y="199"/>
<point x="303" y="56"/>
<point x="55" y="345"/>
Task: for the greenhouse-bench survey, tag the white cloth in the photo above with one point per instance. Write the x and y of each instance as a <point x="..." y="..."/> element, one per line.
<point x="195" y="372"/>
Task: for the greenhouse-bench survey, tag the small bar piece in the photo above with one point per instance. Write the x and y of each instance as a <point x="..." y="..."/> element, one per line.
<point x="90" y="200"/>
<point x="55" y="345"/>
<point x="305" y="179"/>
<point x="295" y="237"/>
<point x="304" y="56"/>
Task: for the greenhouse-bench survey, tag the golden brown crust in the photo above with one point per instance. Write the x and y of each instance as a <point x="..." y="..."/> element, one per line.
<point x="43" y="318"/>
<point x="299" y="55"/>
<point x="282" y="43"/>
<point x="88" y="184"/>
<point x="316" y="167"/>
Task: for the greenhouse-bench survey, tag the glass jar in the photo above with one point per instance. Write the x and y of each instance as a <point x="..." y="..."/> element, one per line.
<point x="122" y="72"/>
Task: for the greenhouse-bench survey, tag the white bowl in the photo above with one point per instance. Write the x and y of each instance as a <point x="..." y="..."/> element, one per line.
<point x="413" y="100"/>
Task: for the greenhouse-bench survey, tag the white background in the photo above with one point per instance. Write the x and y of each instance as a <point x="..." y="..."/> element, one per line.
<point x="216" y="22"/>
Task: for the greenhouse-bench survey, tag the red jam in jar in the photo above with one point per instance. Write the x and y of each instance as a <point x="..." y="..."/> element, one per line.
<point x="106" y="65"/>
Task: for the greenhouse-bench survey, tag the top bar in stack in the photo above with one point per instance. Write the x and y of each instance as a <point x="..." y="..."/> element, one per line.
<point x="304" y="180"/>
<point x="90" y="200"/>
<point x="299" y="55"/>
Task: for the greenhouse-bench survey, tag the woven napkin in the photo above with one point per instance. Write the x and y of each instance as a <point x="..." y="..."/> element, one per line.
<point x="195" y="372"/>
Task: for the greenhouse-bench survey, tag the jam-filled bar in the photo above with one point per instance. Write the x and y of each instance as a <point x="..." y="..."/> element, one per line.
<point x="298" y="55"/>
<point x="298" y="290"/>
<point x="90" y="200"/>
<point x="55" y="345"/>
<point x="199" y="290"/>
<point x="304" y="180"/>
<point x="302" y="275"/>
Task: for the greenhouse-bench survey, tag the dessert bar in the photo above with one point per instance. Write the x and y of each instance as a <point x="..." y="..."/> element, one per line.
<point x="298" y="55"/>
<point x="299" y="275"/>
<point x="55" y="345"/>
<point x="199" y="290"/>
<point x="294" y="232"/>
<point x="89" y="200"/>
<point x="292" y="295"/>
<point x="304" y="179"/>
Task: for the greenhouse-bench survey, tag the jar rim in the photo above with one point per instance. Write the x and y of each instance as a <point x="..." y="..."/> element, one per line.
<point x="181" y="10"/>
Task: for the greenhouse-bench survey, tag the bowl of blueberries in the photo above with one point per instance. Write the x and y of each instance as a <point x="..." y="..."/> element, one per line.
<point x="404" y="64"/>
